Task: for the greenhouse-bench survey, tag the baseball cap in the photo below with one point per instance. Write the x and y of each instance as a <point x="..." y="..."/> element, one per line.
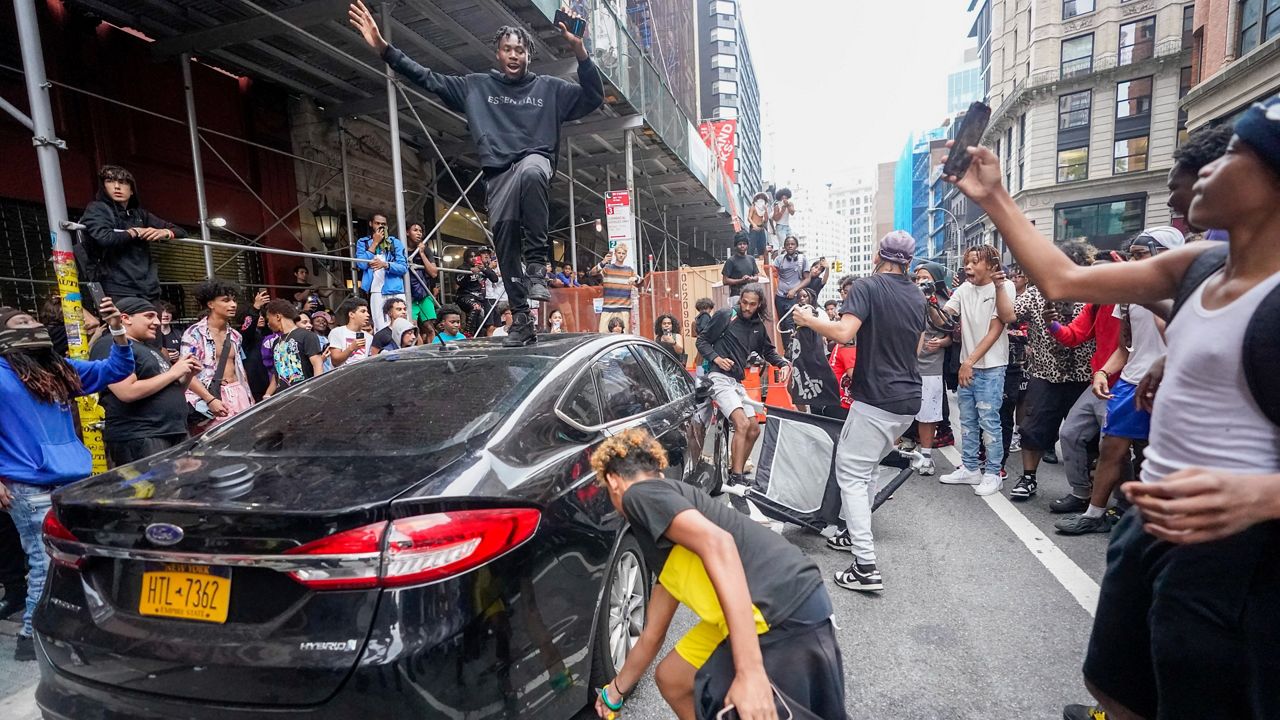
<point x="1159" y="239"/>
<point x="897" y="247"/>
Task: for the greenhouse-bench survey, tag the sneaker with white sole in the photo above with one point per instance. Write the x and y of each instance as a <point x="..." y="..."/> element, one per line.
<point x="861" y="577"/>
<point x="961" y="476"/>
<point x="1024" y="488"/>
<point x="924" y="466"/>
<point x="991" y="484"/>
<point x="840" y="541"/>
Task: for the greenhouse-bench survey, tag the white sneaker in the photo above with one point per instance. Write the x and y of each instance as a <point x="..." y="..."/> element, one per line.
<point x="925" y="466"/>
<point x="990" y="485"/>
<point x="961" y="476"/>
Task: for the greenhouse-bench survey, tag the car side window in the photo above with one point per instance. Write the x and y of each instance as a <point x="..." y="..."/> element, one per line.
<point x="673" y="378"/>
<point x="625" y="388"/>
<point x="582" y="402"/>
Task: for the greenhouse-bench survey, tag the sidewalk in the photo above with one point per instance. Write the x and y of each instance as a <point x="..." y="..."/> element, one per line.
<point x="17" y="679"/>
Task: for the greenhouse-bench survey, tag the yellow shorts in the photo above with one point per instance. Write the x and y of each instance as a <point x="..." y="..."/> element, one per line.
<point x="698" y="644"/>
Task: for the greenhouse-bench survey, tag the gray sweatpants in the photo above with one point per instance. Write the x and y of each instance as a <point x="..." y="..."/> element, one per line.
<point x="1083" y="425"/>
<point x="868" y="436"/>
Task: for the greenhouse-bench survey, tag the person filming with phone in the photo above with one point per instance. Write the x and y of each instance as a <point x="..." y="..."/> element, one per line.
<point x="765" y="646"/>
<point x="515" y="118"/>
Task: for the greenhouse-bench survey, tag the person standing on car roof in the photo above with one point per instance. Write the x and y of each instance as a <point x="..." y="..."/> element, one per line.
<point x="765" y="614"/>
<point x="727" y="342"/>
<point x="39" y="449"/>
<point x="515" y="118"/>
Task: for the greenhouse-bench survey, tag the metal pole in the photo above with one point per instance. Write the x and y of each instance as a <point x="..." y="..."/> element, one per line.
<point x="635" y="206"/>
<point x="197" y="167"/>
<point x="47" y="144"/>
<point x="397" y="172"/>
<point x="17" y="114"/>
<point x="573" y="217"/>
<point x="346" y="202"/>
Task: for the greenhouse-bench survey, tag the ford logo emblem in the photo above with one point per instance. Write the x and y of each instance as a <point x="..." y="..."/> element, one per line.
<point x="163" y="534"/>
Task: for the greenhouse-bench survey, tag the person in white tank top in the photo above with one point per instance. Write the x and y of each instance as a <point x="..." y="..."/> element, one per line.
<point x="1188" y="617"/>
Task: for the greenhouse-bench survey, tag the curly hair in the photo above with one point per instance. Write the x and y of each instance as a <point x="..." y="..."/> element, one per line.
<point x="1201" y="148"/>
<point x="986" y="253"/>
<point x="675" y="324"/>
<point x="628" y="454"/>
<point x="210" y="290"/>
<point x="283" y="308"/>
<point x="521" y="34"/>
<point x="1079" y="252"/>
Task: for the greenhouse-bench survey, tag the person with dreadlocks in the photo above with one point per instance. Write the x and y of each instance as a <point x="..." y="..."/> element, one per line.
<point x="515" y="118"/>
<point x="39" y="449"/>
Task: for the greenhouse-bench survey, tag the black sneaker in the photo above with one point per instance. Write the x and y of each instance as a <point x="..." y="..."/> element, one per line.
<point x="1083" y="524"/>
<point x="1083" y="712"/>
<point x="1069" y="504"/>
<point x="864" y="578"/>
<point x="535" y="282"/>
<point x="1025" y="488"/>
<point x="25" y="649"/>
<point x="840" y="541"/>
<point x="15" y="599"/>
<point x="523" y="331"/>
<point x="1051" y="457"/>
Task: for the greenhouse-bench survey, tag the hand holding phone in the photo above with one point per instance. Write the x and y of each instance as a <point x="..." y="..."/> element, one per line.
<point x="969" y="135"/>
<point x="575" y="25"/>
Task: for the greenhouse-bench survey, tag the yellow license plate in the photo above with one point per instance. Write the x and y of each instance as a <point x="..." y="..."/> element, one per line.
<point x="186" y="592"/>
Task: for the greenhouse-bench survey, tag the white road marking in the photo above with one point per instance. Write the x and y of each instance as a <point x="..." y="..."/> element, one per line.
<point x="1076" y="581"/>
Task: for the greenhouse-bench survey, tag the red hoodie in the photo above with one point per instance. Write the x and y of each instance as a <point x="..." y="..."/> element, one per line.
<point x="1097" y="322"/>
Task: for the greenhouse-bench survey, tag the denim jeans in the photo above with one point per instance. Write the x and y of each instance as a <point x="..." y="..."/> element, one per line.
<point x="30" y="504"/>
<point x="980" y="419"/>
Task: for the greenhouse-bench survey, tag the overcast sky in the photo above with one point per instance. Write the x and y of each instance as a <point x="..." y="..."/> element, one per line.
<point x="843" y="82"/>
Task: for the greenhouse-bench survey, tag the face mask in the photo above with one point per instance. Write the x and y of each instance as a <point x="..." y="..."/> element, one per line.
<point x="759" y="206"/>
<point x="15" y="339"/>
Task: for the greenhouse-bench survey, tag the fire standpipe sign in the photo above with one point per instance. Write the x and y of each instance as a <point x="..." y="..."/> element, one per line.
<point x="617" y="212"/>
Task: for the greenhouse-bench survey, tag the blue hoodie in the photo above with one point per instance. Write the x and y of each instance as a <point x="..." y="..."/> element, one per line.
<point x="38" y="442"/>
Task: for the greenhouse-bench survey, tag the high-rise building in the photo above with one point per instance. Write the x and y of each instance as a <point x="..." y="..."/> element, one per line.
<point x="1084" y="97"/>
<point x="1236" y="58"/>
<point x="728" y="88"/>
<point x="884" y="199"/>
<point x="854" y="205"/>
<point x="821" y="231"/>
<point x="911" y="184"/>
<point x="965" y="85"/>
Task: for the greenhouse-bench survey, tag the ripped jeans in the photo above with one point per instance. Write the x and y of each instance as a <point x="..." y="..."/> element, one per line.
<point x="980" y="419"/>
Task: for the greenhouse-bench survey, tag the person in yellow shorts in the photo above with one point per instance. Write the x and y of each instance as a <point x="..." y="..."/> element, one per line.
<point x="765" y="638"/>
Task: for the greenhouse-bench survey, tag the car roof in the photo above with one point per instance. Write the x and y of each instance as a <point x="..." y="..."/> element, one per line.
<point x="551" y="346"/>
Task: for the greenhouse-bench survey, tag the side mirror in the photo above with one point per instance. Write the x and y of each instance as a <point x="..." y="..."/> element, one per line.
<point x="703" y="392"/>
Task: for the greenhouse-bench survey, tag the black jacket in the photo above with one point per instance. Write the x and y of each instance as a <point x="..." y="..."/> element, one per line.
<point x="736" y="339"/>
<point x="119" y="261"/>
<point x="509" y="119"/>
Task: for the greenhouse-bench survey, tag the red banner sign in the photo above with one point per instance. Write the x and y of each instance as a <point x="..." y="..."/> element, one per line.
<point x="724" y="133"/>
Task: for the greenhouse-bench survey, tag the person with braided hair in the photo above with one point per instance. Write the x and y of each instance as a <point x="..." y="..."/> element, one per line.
<point x="765" y="633"/>
<point x="39" y="449"/>
<point x="515" y="118"/>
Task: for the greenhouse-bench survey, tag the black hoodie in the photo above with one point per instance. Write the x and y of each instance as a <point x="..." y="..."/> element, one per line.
<point x="509" y="119"/>
<point x="123" y="263"/>
<point x="736" y="337"/>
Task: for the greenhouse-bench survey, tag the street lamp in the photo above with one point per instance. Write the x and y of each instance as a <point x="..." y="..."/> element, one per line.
<point x="327" y="223"/>
<point x="959" y="229"/>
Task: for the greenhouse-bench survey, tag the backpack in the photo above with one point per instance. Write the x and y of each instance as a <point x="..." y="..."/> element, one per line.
<point x="1261" y="335"/>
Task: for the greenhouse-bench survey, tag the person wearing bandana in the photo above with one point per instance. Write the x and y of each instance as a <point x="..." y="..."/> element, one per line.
<point x="39" y="449"/>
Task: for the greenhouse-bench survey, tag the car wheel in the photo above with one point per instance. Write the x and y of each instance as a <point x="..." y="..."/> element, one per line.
<point x="622" y="611"/>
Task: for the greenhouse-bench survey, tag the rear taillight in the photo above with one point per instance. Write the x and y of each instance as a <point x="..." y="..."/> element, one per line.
<point x="419" y="550"/>
<point x="54" y="531"/>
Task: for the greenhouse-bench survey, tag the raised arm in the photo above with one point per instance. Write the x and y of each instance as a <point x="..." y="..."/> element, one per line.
<point x="452" y="89"/>
<point x="1057" y="277"/>
<point x="1079" y="331"/>
<point x="579" y="100"/>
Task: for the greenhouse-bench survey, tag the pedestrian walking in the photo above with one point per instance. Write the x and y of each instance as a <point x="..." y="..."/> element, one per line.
<point x="515" y="118"/>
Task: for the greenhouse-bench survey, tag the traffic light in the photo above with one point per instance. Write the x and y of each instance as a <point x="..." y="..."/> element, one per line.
<point x="837" y="265"/>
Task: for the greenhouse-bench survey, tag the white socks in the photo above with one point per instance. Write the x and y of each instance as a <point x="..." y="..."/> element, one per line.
<point x="1094" y="511"/>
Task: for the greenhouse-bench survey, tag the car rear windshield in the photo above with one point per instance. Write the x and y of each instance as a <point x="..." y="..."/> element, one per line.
<point x="395" y="406"/>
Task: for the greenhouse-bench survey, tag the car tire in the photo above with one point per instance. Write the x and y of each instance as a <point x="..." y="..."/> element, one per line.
<point x="625" y="600"/>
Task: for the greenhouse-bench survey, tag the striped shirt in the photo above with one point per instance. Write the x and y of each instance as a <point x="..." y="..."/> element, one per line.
<point x="618" y="281"/>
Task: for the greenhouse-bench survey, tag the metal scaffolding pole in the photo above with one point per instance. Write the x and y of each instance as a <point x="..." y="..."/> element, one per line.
<point x="397" y="171"/>
<point x="631" y="193"/>
<point x="573" y="216"/>
<point x="197" y="167"/>
<point x="47" y="144"/>
<point x="346" y="200"/>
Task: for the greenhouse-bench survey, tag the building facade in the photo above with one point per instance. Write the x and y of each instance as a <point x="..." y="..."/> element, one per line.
<point x="883" y="218"/>
<point x="728" y="88"/>
<point x="1085" y="111"/>
<point x="1235" y="58"/>
<point x="965" y="85"/>
<point x="853" y="203"/>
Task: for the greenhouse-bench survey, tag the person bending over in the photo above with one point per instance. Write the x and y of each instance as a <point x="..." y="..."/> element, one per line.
<point x="515" y="118"/>
<point x="765" y="616"/>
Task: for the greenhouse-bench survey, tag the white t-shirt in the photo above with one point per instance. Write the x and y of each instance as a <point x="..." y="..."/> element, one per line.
<point x="379" y="276"/>
<point x="496" y="291"/>
<point x="1205" y="415"/>
<point x="338" y="338"/>
<point x="1148" y="343"/>
<point x="977" y="306"/>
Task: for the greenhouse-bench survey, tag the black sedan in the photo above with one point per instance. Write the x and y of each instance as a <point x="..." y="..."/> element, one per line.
<point x="415" y="536"/>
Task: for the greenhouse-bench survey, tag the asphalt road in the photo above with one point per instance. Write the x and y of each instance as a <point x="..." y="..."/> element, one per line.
<point x="972" y="622"/>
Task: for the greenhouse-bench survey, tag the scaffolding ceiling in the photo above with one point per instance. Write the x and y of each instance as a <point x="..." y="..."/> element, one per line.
<point x="307" y="47"/>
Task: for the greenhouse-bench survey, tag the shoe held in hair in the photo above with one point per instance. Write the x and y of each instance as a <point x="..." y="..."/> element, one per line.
<point x="1024" y="488"/>
<point x="536" y="282"/>
<point x="864" y="578"/>
<point x="522" y="332"/>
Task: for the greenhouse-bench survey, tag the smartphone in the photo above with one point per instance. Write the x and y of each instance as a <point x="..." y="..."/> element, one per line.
<point x="577" y="26"/>
<point x="969" y="135"/>
<point x="96" y="294"/>
<point x="360" y="335"/>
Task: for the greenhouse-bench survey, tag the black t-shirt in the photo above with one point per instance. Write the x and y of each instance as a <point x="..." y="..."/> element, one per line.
<point x="739" y="266"/>
<point x="887" y="374"/>
<point x="163" y="413"/>
<point x="292" y="356"/>
<point x="171" y="340"/>
<point x="779" y="576"/>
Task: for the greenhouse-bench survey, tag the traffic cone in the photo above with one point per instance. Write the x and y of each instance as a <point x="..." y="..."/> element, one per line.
<point x="779" y="394"/>
<point x="751" y="383"/>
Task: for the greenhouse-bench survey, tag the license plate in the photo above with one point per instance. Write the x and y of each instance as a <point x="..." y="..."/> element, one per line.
<point x="186" y="592"/>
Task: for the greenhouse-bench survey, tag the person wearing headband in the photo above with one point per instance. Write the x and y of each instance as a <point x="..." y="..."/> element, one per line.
<point x="39" y="448"/>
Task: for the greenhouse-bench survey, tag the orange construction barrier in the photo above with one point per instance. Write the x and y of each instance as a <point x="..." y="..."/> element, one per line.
<point x="779" y="395"/>
<point x="751" y="382"/>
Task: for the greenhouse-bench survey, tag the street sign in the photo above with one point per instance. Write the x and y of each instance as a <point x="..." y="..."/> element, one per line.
<point x="617" y="212"/>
